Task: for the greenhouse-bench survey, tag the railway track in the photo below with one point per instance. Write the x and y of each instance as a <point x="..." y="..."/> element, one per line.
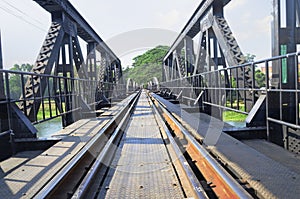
<point x="143" y="152"/>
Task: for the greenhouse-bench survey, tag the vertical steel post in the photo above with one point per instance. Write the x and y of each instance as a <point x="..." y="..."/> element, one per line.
<point x="1" y="59"/>
<point x="92" y="68"/>
<point x="91" y="61"/>
<point x="2" y="93"/>
<point x="291" y="47"/>
<point x="284" y="41"/>
<point x="189" y="56"/>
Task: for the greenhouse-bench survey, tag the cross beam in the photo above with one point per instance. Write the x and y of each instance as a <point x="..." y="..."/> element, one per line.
<point x="85" y="31"/>
<point x="192" y="27"/>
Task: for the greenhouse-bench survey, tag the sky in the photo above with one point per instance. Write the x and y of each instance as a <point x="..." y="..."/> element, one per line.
<point x="130" y="26"/>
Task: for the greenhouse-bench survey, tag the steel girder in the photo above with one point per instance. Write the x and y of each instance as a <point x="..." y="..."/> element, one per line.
<point x="85" y="31"/>
<point x="214" y="34"/>
<point x="67" y="25"/>
<point x="13" y="123"/>
<point x="2" y="93"/>
<point x="45" y="61"/>
<point x="192" y="28"/>
<point x="285" y="38"/>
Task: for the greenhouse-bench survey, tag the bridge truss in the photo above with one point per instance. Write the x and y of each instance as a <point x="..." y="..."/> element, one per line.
<point x="62" y="82"/>
<point x="216" y="77"/>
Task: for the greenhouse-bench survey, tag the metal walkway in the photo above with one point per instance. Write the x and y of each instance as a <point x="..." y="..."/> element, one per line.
<point x="269" y="169"/>
<point x="24" y="174"/>
<point x="142" y="167"/>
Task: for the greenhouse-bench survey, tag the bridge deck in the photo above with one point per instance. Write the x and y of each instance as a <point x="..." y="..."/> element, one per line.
<point x="271" y="176"/>
<point x="23" y="175"/>
<point x="142" y="167"/>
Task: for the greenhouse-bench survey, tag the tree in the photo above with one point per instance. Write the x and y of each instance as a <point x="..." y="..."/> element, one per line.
<point x="147" y="65"/>
<point x="22" y="67"/>
<point x="15" y="83"/>
<point x="260" y="78"/>
<point x="250" y="58"/>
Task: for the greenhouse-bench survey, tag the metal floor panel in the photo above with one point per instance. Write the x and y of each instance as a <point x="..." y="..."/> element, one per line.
<point x="268" y="177"/>
<point x="271" y="150"/>
<point x="29" y="177"/>
<point x="141" y="167"/>
<point x="24" y="174"/>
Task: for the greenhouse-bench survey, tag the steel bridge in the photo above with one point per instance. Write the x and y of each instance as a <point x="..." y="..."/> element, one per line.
<point x="205" y="75"/>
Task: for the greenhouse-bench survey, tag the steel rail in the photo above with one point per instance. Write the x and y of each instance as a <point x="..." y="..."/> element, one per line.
<point x="225" y="186"/>
<point x="197" y="188"/>
<point x="58" y="179"/>
<point x="85" y="185"/>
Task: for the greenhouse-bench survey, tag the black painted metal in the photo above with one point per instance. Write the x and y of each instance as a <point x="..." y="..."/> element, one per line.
<point x="44" y="65"/>
<point x="285" y="73"/>
<point x="216" y="77"/>
<point x="85" y="31"/>
<point x="11" y="118"/>
<point x="2" y="94"/>
<point x="216" y="44"/>
<point x="62" y="83"/>
<point x="216" y="86"/>
<point x="60" y="52"/>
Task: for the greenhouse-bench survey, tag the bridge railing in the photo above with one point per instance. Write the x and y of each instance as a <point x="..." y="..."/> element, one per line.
<point x="55" y="97"/>
<point x="219" y="90"/>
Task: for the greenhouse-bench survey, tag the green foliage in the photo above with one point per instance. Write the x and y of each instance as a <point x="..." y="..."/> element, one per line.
<point x="250" y="58"/>
<point x="260" y="78"/>
<point x="23" y="67"/>
<point x="15" y="80"/>
<point x="147" y="65"/>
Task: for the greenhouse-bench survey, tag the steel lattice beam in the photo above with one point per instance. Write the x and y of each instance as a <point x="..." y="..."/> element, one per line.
<point x="67" y="25"/>
<point x="85" y="31"/>
<point x="217" y="48"/>
<point x="193" y="25"/>
<point x="46" y="58"/>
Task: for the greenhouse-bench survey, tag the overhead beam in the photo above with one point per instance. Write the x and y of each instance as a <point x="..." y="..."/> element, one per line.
<point x="193" y="25"/>
<point x="85" y="31"/>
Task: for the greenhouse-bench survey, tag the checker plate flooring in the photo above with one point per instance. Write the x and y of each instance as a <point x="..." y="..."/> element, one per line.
<point x="141" y="167"/>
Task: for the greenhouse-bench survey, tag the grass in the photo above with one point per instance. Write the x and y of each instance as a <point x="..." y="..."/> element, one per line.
<point x="228" y="116"/>
<point x="47" y="110"/>
<point x="231" y="116"/>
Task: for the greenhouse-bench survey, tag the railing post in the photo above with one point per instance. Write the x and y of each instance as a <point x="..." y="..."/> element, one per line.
<point x="2" y="93"/>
